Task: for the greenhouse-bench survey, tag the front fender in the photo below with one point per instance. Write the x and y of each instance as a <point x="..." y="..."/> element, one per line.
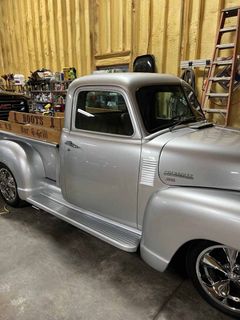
<point x="25" y="163"/>
<point x="177" y="215"/>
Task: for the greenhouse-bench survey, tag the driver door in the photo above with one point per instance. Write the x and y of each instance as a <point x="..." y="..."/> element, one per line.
<point x="102" y="156"/>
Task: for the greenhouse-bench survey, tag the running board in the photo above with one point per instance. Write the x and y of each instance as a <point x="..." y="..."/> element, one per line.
<point x="116" y="235"/>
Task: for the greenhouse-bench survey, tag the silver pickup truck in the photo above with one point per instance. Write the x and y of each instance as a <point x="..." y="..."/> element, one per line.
<point x="138" y="165"/>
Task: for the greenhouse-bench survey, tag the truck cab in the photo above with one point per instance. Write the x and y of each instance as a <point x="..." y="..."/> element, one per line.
<point x="105" y="136"/>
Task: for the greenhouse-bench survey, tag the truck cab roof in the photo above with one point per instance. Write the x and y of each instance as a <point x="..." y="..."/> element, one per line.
<point x="125" y="80"/>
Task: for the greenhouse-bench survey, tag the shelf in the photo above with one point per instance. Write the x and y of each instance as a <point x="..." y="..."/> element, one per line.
<point x="63" y="81"/>
<point x="44" y="102"/>
<point x="48" y="91"/>
<point x="40" y="91"/>
<point x="54" y="103"/>
<point x="57" y="90"/>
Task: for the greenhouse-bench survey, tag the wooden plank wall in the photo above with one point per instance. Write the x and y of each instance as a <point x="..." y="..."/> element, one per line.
<point x="112" y="32"/>
<point x="44" y="33"/>
<point x="94" y="33"/>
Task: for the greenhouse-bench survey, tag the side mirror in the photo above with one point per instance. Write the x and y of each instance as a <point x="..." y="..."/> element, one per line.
<point x="145" y="63"/>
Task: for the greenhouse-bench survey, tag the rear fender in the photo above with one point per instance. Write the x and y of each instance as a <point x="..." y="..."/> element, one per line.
<point x="177" y="215"/>
<point x="25" y="163"/>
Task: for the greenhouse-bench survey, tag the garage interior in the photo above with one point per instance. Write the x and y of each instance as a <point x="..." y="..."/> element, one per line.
<point x="48" y="268"/>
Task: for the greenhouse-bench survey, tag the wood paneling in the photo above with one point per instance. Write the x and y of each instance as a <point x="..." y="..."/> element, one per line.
<point x="89" y="33"/>
<point x="56" y="33"/>
<point x="44" y="33"/>
<point x="112" y="30"/>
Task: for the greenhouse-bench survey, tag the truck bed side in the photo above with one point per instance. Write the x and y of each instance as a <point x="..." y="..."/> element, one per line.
<point x="48" y="152"/>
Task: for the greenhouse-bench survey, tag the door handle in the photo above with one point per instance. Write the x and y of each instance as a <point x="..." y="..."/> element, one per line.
<point x="72" y="145"/>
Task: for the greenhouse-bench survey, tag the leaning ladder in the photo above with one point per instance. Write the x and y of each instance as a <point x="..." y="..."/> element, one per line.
<point x="216" y="76"/>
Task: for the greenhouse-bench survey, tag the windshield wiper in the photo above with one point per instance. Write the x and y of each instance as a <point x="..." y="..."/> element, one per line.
<point x="181" y="120"/>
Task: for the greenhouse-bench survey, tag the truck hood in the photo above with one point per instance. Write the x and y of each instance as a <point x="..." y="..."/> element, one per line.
<point x="205" y="158"/>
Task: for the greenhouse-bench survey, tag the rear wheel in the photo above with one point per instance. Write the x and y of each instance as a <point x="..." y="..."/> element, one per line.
<point x="215" y="272"/>
<point x="8" y="187"/>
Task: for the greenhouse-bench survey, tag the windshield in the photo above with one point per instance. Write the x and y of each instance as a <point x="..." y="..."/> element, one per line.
<point x="162" y="106"/>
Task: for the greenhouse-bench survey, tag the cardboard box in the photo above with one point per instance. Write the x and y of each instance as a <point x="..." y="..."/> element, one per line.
<point x="30" y="131"/>
<point x="56" y="123"/>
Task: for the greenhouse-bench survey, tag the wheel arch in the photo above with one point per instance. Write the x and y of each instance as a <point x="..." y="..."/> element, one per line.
<point x="177" y="218"/>
<point x="179" y="257"/>
<point x="25" y="164"/>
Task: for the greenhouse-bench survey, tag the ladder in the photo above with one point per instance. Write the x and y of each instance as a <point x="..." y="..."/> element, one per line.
<point x="216" y="74"/>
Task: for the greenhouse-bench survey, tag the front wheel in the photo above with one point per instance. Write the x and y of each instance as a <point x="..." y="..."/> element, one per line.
<point x="215" y="272"/>
<point x="8" y="187"/>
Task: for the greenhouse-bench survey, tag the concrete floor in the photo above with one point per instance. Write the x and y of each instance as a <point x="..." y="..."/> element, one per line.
<point x="50" y="270"/>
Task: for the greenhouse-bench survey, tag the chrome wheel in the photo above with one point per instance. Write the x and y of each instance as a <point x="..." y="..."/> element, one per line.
<point x="218" y="273"/>
<point x="8" y="186"/>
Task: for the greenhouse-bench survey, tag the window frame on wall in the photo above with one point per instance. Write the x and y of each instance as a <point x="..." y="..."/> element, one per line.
<point x="98" y="89"/>
<point x="112" y="60"/>
<point x="112" y="69"/>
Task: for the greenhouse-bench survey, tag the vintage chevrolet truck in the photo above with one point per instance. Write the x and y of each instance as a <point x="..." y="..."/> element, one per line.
<point x="138" y="165"/>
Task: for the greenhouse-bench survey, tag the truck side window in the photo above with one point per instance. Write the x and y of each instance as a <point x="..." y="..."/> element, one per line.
<point x="103" y="111"/>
